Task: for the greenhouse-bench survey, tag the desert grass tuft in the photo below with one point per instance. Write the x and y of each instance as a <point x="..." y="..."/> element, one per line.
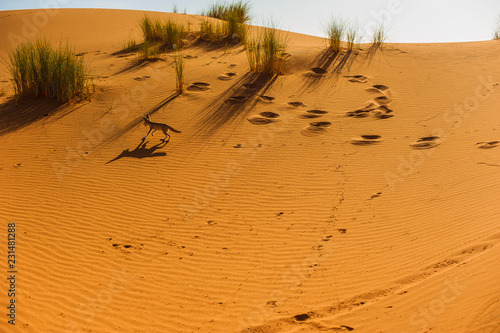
<point x="496" y="32"/>
<point x="166" y="34"/>
<point x="211" y="31"/>
<point x="179" y="71"/>
<point x="353" y="37"/>
<point x="335" y="32"/>
<point x="266" y="52"/>
<point x="40" y="70"/>
<point x="240" y="11"/>
<point x="379" y="36"/>
<point x="235" y="16"/>
<point x="148" y="51"/>
<point x="130" y="45"/>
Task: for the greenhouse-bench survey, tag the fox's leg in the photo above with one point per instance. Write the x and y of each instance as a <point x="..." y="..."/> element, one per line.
<point x="148" y="133"/>
<point x="165" y="131"/>
<point x="153" y="132"/>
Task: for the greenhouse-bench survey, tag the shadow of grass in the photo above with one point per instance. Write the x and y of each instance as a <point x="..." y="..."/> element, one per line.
<point x="233" y="104"/>
<point x="29" y="110"/>
<point x="328" y="65"/>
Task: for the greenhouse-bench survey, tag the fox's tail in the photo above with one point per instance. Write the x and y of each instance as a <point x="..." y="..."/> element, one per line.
<point x="174" y="130"/>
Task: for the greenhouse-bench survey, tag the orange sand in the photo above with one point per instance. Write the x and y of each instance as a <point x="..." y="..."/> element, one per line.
<point x="287" y="221"/>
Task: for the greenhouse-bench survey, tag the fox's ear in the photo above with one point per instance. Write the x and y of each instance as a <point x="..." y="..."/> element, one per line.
<point x="148" y="116"/>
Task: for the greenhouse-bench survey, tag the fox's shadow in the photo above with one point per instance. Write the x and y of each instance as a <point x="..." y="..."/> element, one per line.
<point x="141" y="151"/>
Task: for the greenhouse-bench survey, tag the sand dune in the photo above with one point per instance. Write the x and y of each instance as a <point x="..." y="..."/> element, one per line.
<point x="354" y="193"/>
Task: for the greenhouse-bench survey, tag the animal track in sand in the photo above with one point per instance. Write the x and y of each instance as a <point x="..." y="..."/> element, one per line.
<point x="378" y="111"/>
<point x="487" y="145"/>
<point x="250" y="86"/>
<point x="426" y="142"/>
<point x="269" y="114"/>
<point x="295" y="104"/>
<point x="199" y="86"/>
<point x="382" y="112"/>
<point x="318" y="70"/>
<point x="379" y="88"/>
<point x="383" y="100"/>
<point x="264" y="118"/>
<point x="363" y="112"/>
<point x="142" y="78"/>
<point x="313" y="114"/>
<point x="124" y="247"/>
<point x="315" y="72"/>
<point x="357" y="78"/>
<point x="227" y="76"/>
<point x="267" y="99"/>
<point x="316" y="128"/>
<point x="366" y="140"/>
<point x="301" y="317"/>
<point x="237" y="99"/>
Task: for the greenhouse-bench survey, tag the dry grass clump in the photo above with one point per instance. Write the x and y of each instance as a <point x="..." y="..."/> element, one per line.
<point x="179" y="71"/>
<point x="335" y="32"/>
<point x="166" y="35"/>
<point x="353" y="37"/>
<point x="379" y="36"/>
<point x="40" y="70"/>
<point x="496" y="32"/>
<point x="235" y="16"/>
<point x="130" y="45"/>
<point x="211" y="31"/>
<point x="148" y="51"/>
<point x="266" y="52"/>
<point x="239" y="11"/>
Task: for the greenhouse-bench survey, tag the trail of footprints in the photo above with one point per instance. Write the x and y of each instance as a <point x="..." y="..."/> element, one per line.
<point x="378" y="107"/>
<point x="316" y="318"/>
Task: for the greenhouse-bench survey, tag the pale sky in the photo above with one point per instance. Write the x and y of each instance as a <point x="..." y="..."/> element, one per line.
<point x="406" y="21"/>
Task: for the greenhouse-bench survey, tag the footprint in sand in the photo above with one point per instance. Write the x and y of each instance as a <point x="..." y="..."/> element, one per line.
<point x="363" y="112"/>
<point x="383" y="100"/>
<point x="379" y="88"/>
<point x="142" y="78"/>
<point x="264" y="118"/>
<point x="199" y="86"/>
<point x="237" y="99"/>
<point x="326" y="238"/>
<point x="301" y="317"/>
<point x="250" y="86"/>
<point x="316" y="72"/>
<point x="357" y="78"/>
<point x="122" y="247"/>
<point x="488" y="145"/>
<point x="190" y="57"/>
<point x="227" y="76"/>
<point x="377" y="110"/>
<point x="366" y="140"/>
<point x="295" y="104"/>
<point x="313" y="114"/>
<point x="426" y="142"/>
<point x="267" y="99"/>
<point x="316" y="128"/>
<point x="382" y="112"/>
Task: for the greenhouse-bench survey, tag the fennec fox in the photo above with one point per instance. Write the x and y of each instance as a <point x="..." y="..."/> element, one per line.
<point x="158" y="126"/>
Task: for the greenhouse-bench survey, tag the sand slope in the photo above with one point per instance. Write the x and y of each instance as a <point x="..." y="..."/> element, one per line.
<point x="362" y="196"/>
